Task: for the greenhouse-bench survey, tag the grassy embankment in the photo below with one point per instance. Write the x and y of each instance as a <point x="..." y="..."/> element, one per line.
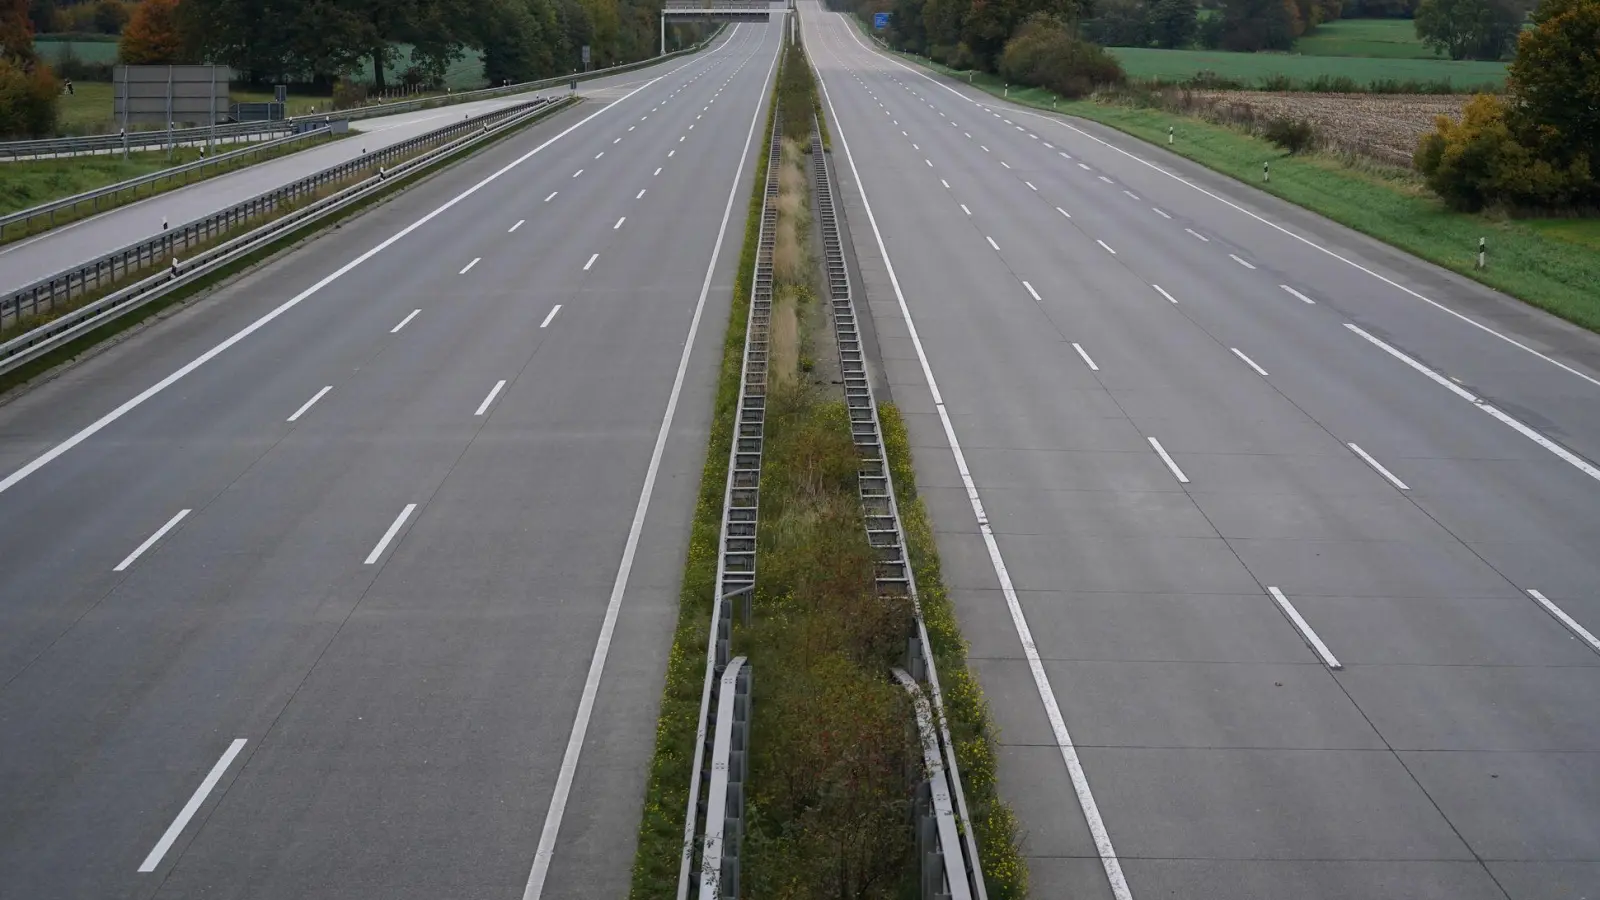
<point x="1551" y="264"/>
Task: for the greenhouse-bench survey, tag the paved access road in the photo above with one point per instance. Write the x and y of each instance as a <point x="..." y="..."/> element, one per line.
<point x="1267" y="505"/>
<point x="27" y="261"/>
<point x="358" y="578"/>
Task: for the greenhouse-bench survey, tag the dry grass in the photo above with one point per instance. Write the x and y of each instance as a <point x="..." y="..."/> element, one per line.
<point x="789" y="257"/>
<point x="1385" y="127"/>
<point x="784" y="336"/>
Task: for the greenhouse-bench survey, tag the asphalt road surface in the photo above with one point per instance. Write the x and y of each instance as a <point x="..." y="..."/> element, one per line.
<point x="1275" y="547"/>
<point x="357" y="579"/>
<point x="27" y="261"/>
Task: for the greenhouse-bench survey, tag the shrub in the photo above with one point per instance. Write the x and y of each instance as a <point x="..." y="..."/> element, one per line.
<point x="27" y="100"/>
<point x="1479" y="163"/>
<point x="1045" y="54"/>
<point x="1293" y="135"/>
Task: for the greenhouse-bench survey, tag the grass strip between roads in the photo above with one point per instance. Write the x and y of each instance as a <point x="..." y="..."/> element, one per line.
<point x="1551" y="264"/>
<point x="828" y="799"/>
<point x="24" y="373"/>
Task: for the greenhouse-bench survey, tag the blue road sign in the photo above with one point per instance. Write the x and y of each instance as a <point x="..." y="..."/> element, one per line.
<point x="880" y="21"/>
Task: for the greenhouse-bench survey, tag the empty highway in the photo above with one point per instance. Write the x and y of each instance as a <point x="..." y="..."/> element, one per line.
<point x="357" y="578"/>
<point x="1273" y="545"/>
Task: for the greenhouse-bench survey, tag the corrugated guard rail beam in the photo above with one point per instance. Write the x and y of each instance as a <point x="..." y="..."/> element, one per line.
<point x="76" y="323"/>
<point x="879" y="511"/>
<point x="44" y="296"/>
<point x="139" y="140"/>
<point x="112" y="194"/>
<point x="736" y="560"/>
<point x="724" y="839"/>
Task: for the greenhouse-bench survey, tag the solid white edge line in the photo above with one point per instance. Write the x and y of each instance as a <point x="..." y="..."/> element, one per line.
<point x="1305" y="630"/>
<point x="1248" y="361"/>
<point x="151" y="540"/>
<point x="550" y="318"/>
<point x="394" y="528"/>
<point x="1162" y="452"/>
<point x="493" y="393"/>
<point x="591" y="687"/>
<point x="193" y="806"/>
<point x="1378" y="467"/>
<point x="1259" y="218"/>
<point x="1297" y="295"/>
<point x="1085" y="354"/>
<point x="406" y="321"/>
<point x="1058" y="725"/>
<point x="1162" y="291"/>
<point x="468" y="267"/>
<point x="309" y="403"/>
<point x="1567" y="456"/>
<point x="1563" y="618"/>
<point x="127" y="406"/>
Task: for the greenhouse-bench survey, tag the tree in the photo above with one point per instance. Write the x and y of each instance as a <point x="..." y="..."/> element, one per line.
<point x="151" y="37"/>
<point x="110" y="16"/>
<point x="1251" y="25"/>
<point x="42" y="15"/>
<point x="1173" y="22"/>
<point x="1468" y="29"/>
<point x="1120" y="23"/>
<point x="1554" y="82"/>
<point x="16" y="34"/>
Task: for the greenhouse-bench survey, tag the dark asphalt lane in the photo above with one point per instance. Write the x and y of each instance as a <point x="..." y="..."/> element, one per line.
<point x="405" y="720"/>
<point x="1453" y="754"/>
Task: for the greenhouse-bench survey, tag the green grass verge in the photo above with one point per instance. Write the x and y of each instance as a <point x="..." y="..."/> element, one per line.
<point x="90" y="108"/>
<point x="1372" y="38"/>
<point x="23" y="374"/>
<point x="1176" y="65"/>
<point x="1549" y="263"/>
<point x="34" y="182"/>
<point x="655" y="864"/>
<point x="1005" y="872"/>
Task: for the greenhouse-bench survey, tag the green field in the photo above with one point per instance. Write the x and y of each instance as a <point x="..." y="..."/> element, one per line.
<point x="1253" y="68"/>
<point x="88" y="51"/>
<point x="1375" y="38"/>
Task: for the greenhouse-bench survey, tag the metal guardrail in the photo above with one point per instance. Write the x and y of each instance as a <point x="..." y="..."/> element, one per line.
<point x="114" y="192"/>
<point x="736" y="564"/>
<point x="935" y="814"/>
<point x="881" y="515"/>
<point x="145" y="140"/>
<point x="58" y="332"/>
<point x="45" y="295"/>
<point x="719" y="869"/>
<point x="140" y="140"/>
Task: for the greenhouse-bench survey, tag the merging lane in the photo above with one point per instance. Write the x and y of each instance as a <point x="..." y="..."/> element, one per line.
<point x="1272" y="545"/>
<point x="319" y="615"/>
